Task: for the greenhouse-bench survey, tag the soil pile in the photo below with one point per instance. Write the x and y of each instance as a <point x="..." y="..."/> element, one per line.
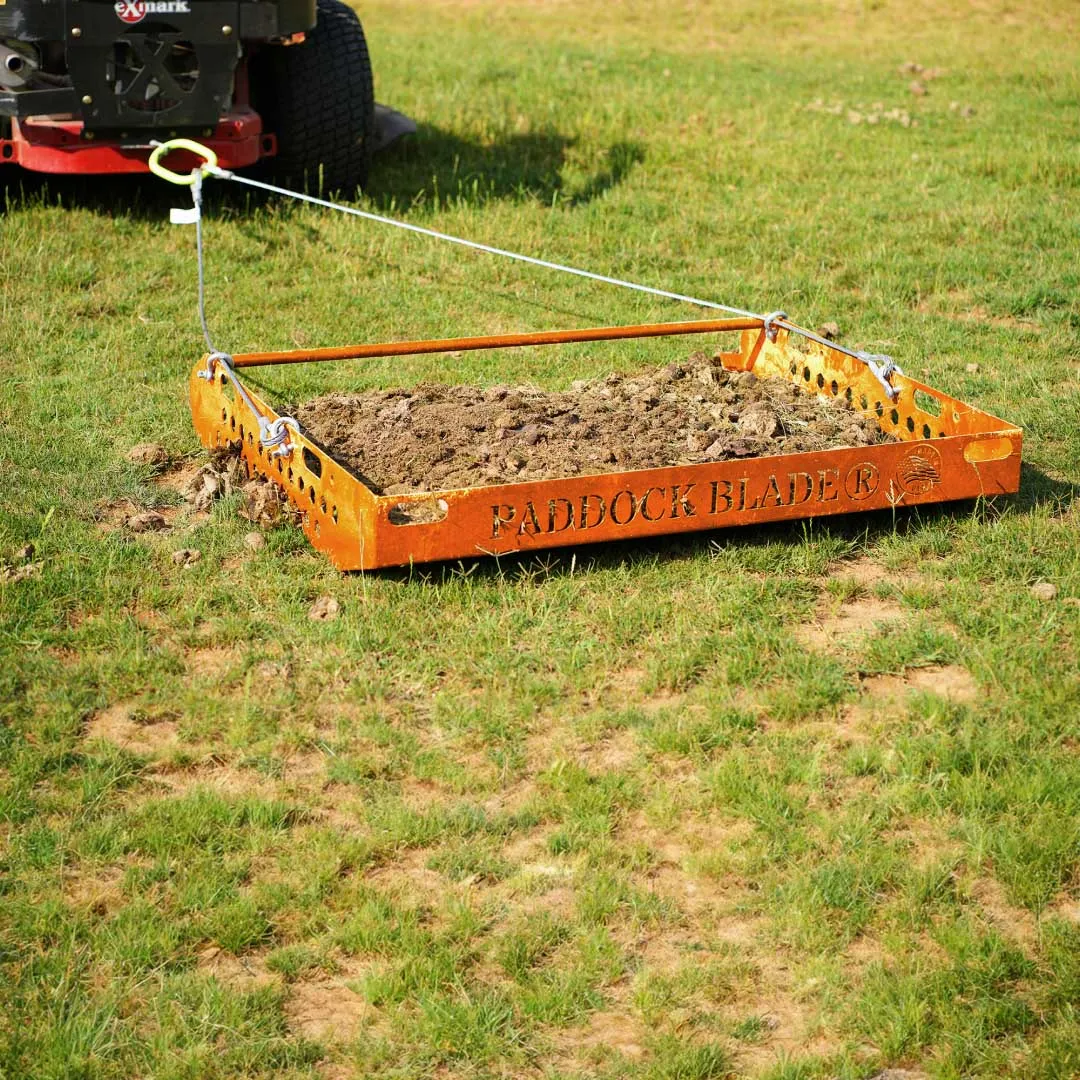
<point x="435" y="437"/>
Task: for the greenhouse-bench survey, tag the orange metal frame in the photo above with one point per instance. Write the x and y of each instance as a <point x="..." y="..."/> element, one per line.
<point x="946" y="450"/>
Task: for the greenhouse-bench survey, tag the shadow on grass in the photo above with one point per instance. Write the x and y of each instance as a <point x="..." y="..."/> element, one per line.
<point x="438" y="166"/>
<point x="850" y="531"/>
<point x="135" y="196"/>
<point x="431" y="167"/>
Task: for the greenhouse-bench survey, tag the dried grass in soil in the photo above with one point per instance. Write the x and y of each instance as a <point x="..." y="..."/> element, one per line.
<point x="435" y="437"/>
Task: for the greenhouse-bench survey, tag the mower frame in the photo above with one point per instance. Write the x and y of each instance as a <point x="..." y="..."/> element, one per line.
<point x="81" y="123"/>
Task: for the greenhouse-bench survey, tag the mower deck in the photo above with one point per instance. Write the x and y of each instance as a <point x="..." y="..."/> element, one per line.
<point x="946" y="450"/>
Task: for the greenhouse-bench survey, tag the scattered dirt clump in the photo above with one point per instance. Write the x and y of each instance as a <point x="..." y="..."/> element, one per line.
<point x="264" y="502"/>
<point x="186" y="556"/>
<point x="21" y="573"/>
<point x="148" y="521"/>
<point x="223" y="473"/>
<point x="435" y="437"/>
<point x="153" y="455"/>
<point x="325" y="609"/>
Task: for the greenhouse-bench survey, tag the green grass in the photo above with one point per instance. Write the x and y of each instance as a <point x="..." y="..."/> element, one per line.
<point x="603" y="814"/>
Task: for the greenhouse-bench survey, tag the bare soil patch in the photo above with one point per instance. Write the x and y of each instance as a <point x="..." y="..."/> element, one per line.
<point x="927" y="842"/>
<point x="792" y="1030"/>
<point x="604" y="1032"/>
<point x="211" y="661"/>
<point x="408" y="875"/>
<point x="632" y="685"/>
<point x="1011" y="921"/>
<point x="212" y="775"/>
<point x="693" y="835"/>
<point x="1067" y="908"/>
<point x="236" y="972"/>
<point x="863" y="571"/>
<point x="950" y="681"/>
<point x="326" y="1010"/>
<point x="126" y="725"/>
<point x="99" y="892"/>
<point x="436" y="437"/>
<point x="853" y="619"/>
<point x="617" y="751"/>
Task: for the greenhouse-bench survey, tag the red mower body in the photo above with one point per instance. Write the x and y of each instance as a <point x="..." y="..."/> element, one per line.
<point x="59" y="145"/>
<point x="90" y="86"/>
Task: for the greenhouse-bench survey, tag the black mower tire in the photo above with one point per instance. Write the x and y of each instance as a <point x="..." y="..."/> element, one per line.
<point x="318" y="98"/>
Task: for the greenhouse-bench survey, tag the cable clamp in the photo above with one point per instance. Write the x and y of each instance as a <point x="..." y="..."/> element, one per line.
<point x="769" y="321"/>
<point x="207" y="373"/>
<point x="275" y="436"/>
<point x="884" y="368"/>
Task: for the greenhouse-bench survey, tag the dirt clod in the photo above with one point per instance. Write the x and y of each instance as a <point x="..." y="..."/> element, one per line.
<point x="324" y="609"/>
<point x="1044" y="590"/>
<point x="15" y="574"/>
<point x="186" y="556"/>
<point x="153" y="455"/>
<point x="220" y="476"/>
<point x="254" y="541"/>
<point x="209" y="489"/>
<point x="264" y="503"/>
<point x="23" y="554"/>
<point x="436" y="437"/>
<point x="972" y="369"/>
<point x="148" y="521"/>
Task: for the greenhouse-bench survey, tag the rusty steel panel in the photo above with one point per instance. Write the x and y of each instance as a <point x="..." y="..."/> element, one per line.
<point x="946" y="450"/>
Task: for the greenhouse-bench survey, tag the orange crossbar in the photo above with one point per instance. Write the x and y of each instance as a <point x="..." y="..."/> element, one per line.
<point x="494" y="341"/>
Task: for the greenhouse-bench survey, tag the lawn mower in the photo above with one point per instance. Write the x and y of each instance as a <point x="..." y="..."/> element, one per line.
<point x="89" y="86"/>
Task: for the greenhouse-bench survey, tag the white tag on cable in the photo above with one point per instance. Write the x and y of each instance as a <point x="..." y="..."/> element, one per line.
<point x="179" y="216"/>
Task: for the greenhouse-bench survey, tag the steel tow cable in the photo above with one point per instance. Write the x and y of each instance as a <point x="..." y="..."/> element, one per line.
<point x="882" y="366"/>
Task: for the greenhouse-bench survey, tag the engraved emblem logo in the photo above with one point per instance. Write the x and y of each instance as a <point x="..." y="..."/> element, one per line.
<point x="919" y="470"/>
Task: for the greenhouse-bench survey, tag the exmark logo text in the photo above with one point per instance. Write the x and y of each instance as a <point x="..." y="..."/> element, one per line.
<point x="133" y="11"/>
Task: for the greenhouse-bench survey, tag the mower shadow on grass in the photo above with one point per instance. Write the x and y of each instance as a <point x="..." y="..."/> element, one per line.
<point x="431" y="167"/>
<point x="135" y="196"/>
<point x="847" y="533"/>
<point x="439" y="166"/>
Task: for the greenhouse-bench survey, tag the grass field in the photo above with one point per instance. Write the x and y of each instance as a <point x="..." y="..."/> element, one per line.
<point x="787" y="803"/>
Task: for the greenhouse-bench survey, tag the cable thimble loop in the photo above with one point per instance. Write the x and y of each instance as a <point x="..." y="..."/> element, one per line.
<point x="273" y="435"/>
<point x="181" y="179"/>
